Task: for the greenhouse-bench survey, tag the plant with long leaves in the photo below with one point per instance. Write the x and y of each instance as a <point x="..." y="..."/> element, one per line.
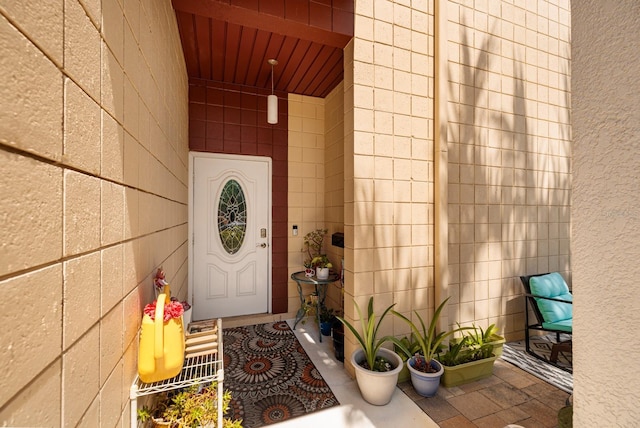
<point x="430" y="342"/>
<point x="368" y="340"/>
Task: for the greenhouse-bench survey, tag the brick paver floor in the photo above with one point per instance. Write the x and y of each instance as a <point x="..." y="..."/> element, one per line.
<point x="509" y="396"/>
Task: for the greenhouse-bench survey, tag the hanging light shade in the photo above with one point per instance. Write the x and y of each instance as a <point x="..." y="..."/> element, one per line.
<point x="272" y="100"/>
<point x="272" y="109"/>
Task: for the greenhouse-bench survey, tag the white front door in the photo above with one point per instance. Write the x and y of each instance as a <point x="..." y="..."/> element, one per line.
<point x="231" y="236"/>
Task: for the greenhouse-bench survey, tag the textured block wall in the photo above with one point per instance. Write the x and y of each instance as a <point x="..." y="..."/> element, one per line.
<point x="316" y="166"/>
<point x="306" y="181"/>
<point x="509" y="148"/>
<point x="93" y="183"/>
<point x="334" y="183"/>
<point x="389" y="164"/>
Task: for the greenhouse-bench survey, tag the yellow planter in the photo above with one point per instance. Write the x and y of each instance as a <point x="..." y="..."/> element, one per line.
<point x="161" y="351"/>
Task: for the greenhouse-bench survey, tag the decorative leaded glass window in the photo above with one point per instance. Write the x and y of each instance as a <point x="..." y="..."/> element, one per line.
<point x="232" y="216"/>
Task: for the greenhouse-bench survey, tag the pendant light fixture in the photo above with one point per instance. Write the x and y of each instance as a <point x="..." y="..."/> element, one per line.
<point x="272" y="100"/>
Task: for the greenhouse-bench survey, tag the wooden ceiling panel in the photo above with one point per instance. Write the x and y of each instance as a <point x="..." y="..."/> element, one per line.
<point x="258" y="59"/>
<point x="218" y="36"/>
<point x="314" y="62"/>
<point x="304" y="64"/>
<point x="187" y="35"/>
<point x="232" y="41"/>
<point x="232" y="52"/>
<point x="247" y="43"/>
<point x="203" y="43"/>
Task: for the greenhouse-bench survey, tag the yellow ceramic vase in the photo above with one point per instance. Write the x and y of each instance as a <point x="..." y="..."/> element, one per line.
<point x="161" y="351"/>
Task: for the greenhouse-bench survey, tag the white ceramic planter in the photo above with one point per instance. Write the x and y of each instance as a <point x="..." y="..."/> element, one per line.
<point x="425" y="384"/>
<point x="322" y="273"/>
<point x="377" y="388"/>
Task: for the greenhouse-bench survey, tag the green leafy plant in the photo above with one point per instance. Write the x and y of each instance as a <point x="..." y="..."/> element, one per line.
<point x="472" y="346"/>
<point x="410" y="344"/>
<point x="430" y="343"/>
<point x="368" y="340"/>
<point x="327" y="314"/>
<point x="313" y="242"/>
<point x="479" y="342"/>
<point x="456" y="353"/>
<point x="191" y="407"/>
<point x="321" y="261"/>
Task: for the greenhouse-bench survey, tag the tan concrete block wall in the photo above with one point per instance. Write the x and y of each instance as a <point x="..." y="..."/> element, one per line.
<point x="388" y="150"/>
<point x="93" y="146"/>
<point x="509" y="154"/>
<point x="306" y="180"/>
<point x="605" y="211"/>
<point x="334" y="184"/>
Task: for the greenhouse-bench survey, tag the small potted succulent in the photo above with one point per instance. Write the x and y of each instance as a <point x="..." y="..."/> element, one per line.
<point x="327" y="317"/>
<point x="322" y="265"/>
<point x="314" y="257"/>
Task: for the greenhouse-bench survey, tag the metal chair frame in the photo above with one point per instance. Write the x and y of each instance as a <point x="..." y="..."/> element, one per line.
<point x="530" y="302"/>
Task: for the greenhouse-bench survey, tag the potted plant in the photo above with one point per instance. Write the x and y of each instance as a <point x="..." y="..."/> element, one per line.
<point x="377" y="368"/>
<point x="337" y="332"/>
<point x="327" y="316"/>
<point x="322" y="265"/>
<point x="470" y="358"/>
<point x="425" y="370"/>
<point x="313" y="242"/>
<point x="190" y="407"/>
<point x="315" y="258"/>
<point x="412" y="345"/>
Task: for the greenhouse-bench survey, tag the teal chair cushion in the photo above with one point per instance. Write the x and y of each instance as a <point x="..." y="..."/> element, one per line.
<point x="564" y="325"/>
<point x="552" y="285"/>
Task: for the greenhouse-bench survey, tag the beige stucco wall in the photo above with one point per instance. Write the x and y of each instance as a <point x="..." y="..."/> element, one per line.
<point x="509" y="152"/>
<point x="93" y="184"/>
<point x="606" y="212"/>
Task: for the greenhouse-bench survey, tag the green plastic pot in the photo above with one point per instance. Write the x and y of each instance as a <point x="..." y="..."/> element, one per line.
<point x="467" y="372"/>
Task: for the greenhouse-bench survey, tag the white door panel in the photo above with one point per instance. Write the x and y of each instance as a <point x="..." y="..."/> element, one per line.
<point x="231" y="236"/>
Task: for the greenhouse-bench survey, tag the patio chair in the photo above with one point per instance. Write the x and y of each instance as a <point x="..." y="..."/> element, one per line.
<point x="552" y="303"/>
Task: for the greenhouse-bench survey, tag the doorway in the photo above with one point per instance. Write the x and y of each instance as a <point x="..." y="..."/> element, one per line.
<point x="230" y="230"/>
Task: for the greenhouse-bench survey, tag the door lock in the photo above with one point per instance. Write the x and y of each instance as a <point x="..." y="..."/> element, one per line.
<point x="263" y="245"/>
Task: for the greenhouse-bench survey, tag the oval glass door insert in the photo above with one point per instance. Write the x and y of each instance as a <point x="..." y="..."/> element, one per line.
<point x="232" y="216"/>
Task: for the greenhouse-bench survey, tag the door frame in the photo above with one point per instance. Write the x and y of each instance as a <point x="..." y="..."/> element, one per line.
<point x="190" y="240"/>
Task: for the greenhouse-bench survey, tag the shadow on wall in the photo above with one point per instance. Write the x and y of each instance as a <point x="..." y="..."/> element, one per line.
<point x="514" y="169"/>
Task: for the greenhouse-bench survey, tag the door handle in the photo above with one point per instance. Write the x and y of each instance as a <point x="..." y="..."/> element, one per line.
<point x="263" y="245"/>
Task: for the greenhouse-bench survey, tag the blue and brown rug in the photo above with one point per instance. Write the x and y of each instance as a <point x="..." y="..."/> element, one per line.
<point x="270" y="376"/>
<point x="516" y="354"/>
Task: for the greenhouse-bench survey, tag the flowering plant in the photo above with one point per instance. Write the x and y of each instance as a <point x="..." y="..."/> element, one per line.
<point x="173" y="309"/>
<point x="184" y="303"/>
<point x="159" y="281"/>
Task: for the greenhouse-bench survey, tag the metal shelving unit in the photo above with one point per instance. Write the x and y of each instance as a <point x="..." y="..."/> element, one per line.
<point x="201" y="369"/>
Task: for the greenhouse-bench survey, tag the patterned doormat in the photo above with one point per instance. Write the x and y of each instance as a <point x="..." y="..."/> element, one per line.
<point x="516" y="354"/>
<point x="270" y="376"/>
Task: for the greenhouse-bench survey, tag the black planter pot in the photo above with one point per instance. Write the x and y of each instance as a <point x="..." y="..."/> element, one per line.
<point x="337" y="331"/>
